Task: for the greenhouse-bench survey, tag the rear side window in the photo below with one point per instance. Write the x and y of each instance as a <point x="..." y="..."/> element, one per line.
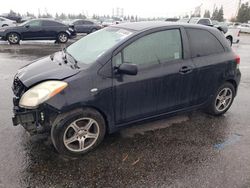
<point x="79" y="22"/>
<point x="88" y="23"/>
<point x="203" y="43"/>
<point x="51" y="23"/>
<point x="155" y="48"/>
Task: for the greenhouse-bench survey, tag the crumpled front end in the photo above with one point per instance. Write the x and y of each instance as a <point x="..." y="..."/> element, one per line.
<point x="35" y="121"/>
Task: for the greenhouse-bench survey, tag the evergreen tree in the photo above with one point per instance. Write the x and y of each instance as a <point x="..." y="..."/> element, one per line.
<point x="243" y="13"/>
<point x="215" y="13"/>
<point x="62" y="16"/>
<point x="207" y="14"/>
<point x="220" y="16"/>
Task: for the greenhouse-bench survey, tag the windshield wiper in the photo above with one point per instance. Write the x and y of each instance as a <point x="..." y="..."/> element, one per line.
<point x="64" y="56"/>
<point x="65" y="53"/>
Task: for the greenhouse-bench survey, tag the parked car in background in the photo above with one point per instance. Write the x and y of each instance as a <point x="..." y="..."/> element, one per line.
<point x="244" y="28"/>
<point x="184" y="20"/>
<point x="122" y="75"/>
<point x="108" y="22"/>
<point x="231" y="34"/>
<point x="172" y="19"/>
<point x="202" y="21"/>
<point x="4" y="22"/>
<point x="84" y="26"/>
<point x="13" y="17"/>
<point x="38" y="29"/>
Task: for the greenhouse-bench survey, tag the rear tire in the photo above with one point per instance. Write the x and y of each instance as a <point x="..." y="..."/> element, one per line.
<point x="93" y="30"/>
<point x="222" y="100"/>
<point x="78" y="132"/>
<point x="62" y="37"/>
<point x="13" y="38"/>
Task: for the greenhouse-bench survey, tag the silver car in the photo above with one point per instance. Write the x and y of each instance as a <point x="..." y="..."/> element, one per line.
<point x="4" y="22"/>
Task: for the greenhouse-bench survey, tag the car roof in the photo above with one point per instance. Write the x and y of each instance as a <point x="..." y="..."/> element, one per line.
<point x="147" y="25"/>
<point x="47" y="19"/>
<point x="4" y="18"/>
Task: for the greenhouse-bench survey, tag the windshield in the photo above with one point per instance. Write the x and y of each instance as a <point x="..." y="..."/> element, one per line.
<point x="24" y="23"/>
<point x="89" y="48"/>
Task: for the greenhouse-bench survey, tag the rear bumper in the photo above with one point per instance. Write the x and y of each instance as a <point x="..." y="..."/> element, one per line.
<point x="237" y="79"/>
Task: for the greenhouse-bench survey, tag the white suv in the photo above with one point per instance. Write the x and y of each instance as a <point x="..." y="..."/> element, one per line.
<point x="232" y="34"/>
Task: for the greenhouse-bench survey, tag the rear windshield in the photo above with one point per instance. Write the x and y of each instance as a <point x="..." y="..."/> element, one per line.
<point x="88" y="49"/>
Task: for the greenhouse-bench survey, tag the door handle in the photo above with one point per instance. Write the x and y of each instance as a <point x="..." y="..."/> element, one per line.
<point x="186" y="69"/>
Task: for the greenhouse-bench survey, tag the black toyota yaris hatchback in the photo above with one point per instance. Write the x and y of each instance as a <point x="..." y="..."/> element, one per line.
<point x="121" y="75"/>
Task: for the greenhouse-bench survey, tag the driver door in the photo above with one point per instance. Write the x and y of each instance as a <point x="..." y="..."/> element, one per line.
<point x="158" y="86"/>
<point x="33" y="30"/>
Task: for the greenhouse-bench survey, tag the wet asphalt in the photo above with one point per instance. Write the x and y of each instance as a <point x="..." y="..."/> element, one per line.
<point x="188" y="150"/>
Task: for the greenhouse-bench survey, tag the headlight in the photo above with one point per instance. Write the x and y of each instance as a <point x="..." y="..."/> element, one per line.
<point x="41" y="93"/>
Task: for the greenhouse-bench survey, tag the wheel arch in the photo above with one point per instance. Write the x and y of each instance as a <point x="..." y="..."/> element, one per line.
<point x="59" y="32"/>
<point x="71" y="111"/>
<point x="230" y="37"/>
<point x="107" y="122"/>
<point x="233" y="82"/>
<point x="14" y="32"/>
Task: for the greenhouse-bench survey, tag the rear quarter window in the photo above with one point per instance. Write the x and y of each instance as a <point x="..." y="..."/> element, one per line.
<point x="51" y="23"/>
<point x="203" y="43"/>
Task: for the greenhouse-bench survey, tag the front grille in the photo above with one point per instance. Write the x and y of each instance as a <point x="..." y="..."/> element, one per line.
<point x="18" y="87"/>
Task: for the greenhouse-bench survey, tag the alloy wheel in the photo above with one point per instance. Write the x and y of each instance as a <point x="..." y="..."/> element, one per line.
<point x="223" y="99"/>
<point x="63" y="38"/>
<point x="13" y="38"/>
<point x="81" y="134"/>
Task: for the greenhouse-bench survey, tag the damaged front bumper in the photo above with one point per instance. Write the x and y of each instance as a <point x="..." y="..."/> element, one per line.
<point x="35" y="121"/>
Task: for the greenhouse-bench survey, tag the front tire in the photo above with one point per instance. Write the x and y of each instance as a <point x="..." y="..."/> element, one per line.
<point x="78" y="132"/>
<point x="222" y="100"/>
<point x="62" y="37"/>
<point x="13" y="38"/>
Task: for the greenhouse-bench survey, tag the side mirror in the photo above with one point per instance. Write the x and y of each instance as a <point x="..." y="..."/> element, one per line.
<point x="27" y="26"/>
<point x="127" y="68"/>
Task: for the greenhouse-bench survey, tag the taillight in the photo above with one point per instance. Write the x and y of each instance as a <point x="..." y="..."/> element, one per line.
<point x="238" y="34"/>
<point x="237" y="60"/>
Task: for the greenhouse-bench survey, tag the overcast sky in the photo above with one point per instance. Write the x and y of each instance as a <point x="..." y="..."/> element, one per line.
<point x="146" y="8"/>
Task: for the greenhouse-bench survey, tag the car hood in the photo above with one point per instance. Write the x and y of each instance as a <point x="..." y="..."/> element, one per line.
<point x="45" y="69"/>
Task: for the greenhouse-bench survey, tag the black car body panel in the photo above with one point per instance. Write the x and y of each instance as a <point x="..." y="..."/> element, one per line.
<point x="38" y="71"/>
<point x="84" y="26"/>
<point x="46" y="30"/>
<point x="160" y="89"/>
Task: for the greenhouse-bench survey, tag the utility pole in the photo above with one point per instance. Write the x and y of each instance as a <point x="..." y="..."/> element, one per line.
<point x="238" y="8"/>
